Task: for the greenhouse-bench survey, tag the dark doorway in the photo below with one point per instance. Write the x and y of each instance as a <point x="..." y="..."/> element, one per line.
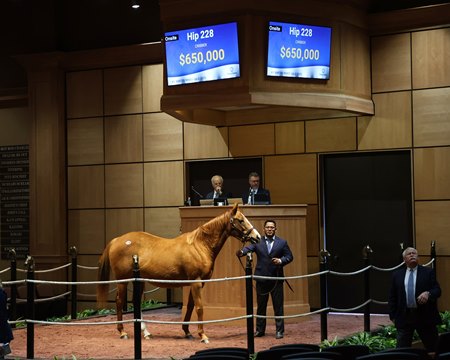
<point x="366" y="200"/>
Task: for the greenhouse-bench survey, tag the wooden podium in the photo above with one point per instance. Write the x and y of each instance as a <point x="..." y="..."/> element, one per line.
<point x="226" y="299"/>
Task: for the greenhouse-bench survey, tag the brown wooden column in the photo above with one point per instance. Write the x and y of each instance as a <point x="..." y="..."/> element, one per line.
<point x="48" y="243"/>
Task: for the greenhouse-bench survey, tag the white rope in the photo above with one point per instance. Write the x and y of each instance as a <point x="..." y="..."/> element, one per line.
<point x="388" y="269"/>
<point x="53" y="269"/>
<point x="5" y="270"/>
<point x="52" y="297"/>
<point x="352" y="309"/>
<point x="351" y="273"/>
<point x="87" y="267"/>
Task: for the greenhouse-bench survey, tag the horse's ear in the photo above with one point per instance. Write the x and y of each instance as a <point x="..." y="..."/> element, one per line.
<point x="235" y="208"/>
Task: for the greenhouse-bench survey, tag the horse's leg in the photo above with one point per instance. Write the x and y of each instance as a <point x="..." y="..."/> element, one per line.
<point x="120" y="299"/>
<point x="196" y="290"/>
<point x="145" y="332"/>
<point x="187" y="316"/>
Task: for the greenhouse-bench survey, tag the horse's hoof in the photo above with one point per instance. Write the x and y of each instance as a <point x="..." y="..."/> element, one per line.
<point x="148" y="336"/>
<point x="124" y="336"/>
<point x="205" y="341"/>
<point x="189" y="336"/>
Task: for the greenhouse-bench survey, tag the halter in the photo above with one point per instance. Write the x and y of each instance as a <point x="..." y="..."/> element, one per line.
<point x="243" y="234"/>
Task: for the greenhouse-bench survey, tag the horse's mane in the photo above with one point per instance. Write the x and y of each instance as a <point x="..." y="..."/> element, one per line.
<point x="209" y="228"/>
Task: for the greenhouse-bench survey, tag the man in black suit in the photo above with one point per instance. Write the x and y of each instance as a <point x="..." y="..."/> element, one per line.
<point x="6" y="334"/>
<point x="412" y="302"/>
<point x="273" y="254"/>
<point x="254" y="182"/>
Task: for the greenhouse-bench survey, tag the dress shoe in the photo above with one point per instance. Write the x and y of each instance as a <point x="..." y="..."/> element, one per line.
<point x="259" y="334"/>
<point x="279" y="335"/>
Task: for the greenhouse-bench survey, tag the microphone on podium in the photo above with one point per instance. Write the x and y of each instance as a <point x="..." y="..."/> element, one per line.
<point x="196" y="192"/>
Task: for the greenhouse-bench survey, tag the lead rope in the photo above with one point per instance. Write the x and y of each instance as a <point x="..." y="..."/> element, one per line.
<point x="276" y="282"/>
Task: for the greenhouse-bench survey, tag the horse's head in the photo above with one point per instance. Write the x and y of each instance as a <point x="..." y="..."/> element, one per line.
<point x="241" y="228"/>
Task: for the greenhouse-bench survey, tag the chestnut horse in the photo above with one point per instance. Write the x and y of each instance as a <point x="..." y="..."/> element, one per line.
<point x="189" y="256"/>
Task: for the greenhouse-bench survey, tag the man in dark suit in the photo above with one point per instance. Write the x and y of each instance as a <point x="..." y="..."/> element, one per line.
<point x="254" y="182"/>
<point x="273" y="254"/>
<point x="412" y="302"/>
<point x="6" y="334"/>
<point x="217" y="192"/>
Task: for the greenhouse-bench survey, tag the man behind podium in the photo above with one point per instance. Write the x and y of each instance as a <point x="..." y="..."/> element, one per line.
<point x="412" y="302"/>
<point x="218" y="192"/>
<point x="249" y="195"/>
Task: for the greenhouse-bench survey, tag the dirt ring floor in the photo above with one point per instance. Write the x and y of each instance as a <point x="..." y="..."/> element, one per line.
<point x="168" y="342"/>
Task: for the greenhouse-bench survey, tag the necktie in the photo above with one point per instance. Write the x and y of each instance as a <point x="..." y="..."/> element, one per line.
<point x="411" y="290"/>
<point x="269" y="245"/>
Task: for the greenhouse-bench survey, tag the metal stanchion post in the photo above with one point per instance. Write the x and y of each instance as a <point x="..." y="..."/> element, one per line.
<point x="366" y="256"/>
<point x="13" y="299"/>
<point x="137" y="308"/>
<point x="29" y="262"/>
<point x="324" y="256"/>
<point x="73" y="253"/>
<point x="433" y="254"/>
<point x="249" y="298"/>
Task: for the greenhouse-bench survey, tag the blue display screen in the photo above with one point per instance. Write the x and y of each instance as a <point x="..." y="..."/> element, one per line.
<point x="202" y="54"/>
<point x="298" y="51"/>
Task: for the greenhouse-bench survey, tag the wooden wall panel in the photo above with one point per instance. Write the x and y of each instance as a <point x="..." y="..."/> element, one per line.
<point x="290" y="137"/>
<point x="442" y="271"/>
<point x="391" y="63"/>
<point x="163" y="222"/>
<point x="152" y="87"/>
<point x="314" y="282"/>
<point x="331" y="135"/>
<point x="431" y="58"/>
<point x="431" y="117"/>
<point x="252" y="140"/>
<point x="87" y="230"/>
<point x="204" y="141"/>
<point x="292" y="179"/>
<point x="85" y="141"/>
<point x="124" y="186"/>
<point x="432" y="225"/>
<point x="163" y="137"/>
<point x="164" y="183"/>
<point x="355" y="70"/>
<point x="84" y="94"/>
<point x="391" y="126"/>
<point x="432" y="173"/>
<point x="122" y="221"/>
<point x="312" y="230"/>
<point x="123" y="90"/>
<point x="123" y="139"/>
<point x="86" y="187"/>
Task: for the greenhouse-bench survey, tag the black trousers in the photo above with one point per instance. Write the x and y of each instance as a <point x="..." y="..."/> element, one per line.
<point x="427" y="333"/>
<point x="275" y="289"/>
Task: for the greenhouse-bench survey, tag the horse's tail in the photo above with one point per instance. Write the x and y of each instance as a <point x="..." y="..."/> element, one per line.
<point x="104" y="268"/>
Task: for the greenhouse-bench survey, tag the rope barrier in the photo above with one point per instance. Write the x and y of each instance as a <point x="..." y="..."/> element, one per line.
<point x="323" y="311"/>
<point x="87" y="267"/>
<point x="53" y="269"/>
<point x="5" y="270"/>
<point x="351" y="273"/>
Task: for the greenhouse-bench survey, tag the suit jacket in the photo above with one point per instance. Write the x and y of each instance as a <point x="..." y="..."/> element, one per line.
<point x="425" y="281"/>
<point x="225" y="195"/>
<point x="264" y="267"/>
<point x="6" y="334"/>
<point x="246" y="194"/>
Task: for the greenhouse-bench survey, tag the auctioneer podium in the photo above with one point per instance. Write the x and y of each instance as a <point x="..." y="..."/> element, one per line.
<point x="226" y="299"/>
